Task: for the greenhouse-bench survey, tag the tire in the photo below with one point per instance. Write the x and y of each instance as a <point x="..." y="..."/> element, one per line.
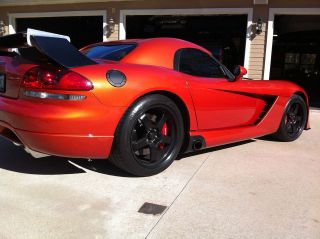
<point x="149" y="136"/>
<point x="293" y="121"/>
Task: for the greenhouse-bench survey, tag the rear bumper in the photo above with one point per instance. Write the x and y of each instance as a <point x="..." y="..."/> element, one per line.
<point x="68" y="129"/>
<point x="73" y="146"/>
<point x="78" y="146"/>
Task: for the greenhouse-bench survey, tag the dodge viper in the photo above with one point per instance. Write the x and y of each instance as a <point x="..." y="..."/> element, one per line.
<point x="137" y="103"/>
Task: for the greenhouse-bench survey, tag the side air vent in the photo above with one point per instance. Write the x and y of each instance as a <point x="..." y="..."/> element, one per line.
<point x="269" y="103"/>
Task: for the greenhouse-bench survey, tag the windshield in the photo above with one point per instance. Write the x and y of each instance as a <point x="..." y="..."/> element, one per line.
<point x="109" y="52"/>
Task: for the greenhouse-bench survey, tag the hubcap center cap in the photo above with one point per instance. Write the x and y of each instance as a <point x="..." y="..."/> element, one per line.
<point x="154" y="136"/>
<point x="293" y="118"/>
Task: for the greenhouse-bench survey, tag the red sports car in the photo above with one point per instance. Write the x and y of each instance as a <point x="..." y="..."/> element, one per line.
<point x="137" y="103"/>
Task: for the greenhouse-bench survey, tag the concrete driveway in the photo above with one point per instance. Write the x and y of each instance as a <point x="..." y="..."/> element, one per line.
<point x="255" y="189"/>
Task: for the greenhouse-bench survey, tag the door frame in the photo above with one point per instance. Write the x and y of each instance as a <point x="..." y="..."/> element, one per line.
<point x="14" y="16"/>
<point x="189" y="12"/>
<point x="272" y="13"/>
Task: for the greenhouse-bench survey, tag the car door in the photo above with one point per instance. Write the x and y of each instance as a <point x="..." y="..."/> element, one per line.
<point x="218" y="103"/>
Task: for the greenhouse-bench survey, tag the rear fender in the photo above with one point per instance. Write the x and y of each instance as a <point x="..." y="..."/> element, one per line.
<point x="140" y="80"/>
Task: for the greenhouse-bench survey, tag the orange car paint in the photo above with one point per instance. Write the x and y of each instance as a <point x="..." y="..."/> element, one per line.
<point x="220" y="111"/>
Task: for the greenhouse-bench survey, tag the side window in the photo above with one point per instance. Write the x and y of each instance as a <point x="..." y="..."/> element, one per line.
<point x="197" y="63"/>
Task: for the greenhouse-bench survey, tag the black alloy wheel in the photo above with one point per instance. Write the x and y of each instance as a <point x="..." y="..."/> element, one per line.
<point x="149" y="136"/>
<point x="153" y="136"/>
<point x="294" y="120"/>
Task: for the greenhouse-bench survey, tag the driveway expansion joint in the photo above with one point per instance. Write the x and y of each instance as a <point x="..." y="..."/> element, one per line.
<point x="176" y="198"/>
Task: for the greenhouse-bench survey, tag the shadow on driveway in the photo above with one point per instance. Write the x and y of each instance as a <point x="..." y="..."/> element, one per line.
<point x="15" y="159"/>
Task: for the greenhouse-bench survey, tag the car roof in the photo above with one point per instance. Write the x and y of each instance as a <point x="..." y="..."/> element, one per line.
<point x="155" y="51"/>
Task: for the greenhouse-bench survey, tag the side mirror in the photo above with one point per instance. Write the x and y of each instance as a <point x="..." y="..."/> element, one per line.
<point x="239" y="72"/>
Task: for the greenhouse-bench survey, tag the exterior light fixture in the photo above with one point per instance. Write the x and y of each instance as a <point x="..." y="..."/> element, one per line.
<point x="111" y="25"/>
<point x="2" y="28"/>
<point x="259" y="26"/>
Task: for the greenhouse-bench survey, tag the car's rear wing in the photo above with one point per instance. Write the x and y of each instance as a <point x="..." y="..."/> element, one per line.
<point x="37" y="45"/>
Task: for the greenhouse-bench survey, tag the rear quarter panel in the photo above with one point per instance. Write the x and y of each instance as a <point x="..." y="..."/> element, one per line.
<point x="141" y="80"/>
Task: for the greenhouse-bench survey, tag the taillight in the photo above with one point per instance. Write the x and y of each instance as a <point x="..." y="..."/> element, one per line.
<point x="55" y="79"/>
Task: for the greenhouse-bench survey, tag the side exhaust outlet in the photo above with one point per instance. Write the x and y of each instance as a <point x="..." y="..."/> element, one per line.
<point x="197" y="145"/>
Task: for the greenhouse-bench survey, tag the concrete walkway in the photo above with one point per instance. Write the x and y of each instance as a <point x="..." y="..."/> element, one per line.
<point x="256" y="189"/>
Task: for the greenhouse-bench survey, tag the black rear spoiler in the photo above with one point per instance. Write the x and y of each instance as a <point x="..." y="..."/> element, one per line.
<point x="35" y="44"/>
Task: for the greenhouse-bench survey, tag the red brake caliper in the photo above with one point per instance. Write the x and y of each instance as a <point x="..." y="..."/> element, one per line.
<point x="164" y="132"/>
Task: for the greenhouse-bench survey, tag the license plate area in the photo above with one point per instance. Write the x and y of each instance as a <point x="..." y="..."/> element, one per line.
<point x="2" y="83"/>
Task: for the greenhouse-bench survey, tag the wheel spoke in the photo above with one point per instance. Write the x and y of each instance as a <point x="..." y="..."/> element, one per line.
<point x="140" y="152"/>
<point x="134" y="136"/>
<point x="162" y="121"/>
<point x="146" y="121"/>
<point x="299" y="118"/>
<point x="295" y="109"/>
<point x="289" y="127"/>
<point x="295" y="127"/>
<point x="140" y="144"/>
<point x="166" y="140"/>
<point x="155" y="154"/>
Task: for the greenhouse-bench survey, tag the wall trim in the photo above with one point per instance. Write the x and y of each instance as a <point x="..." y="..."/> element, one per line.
<point x="193" y="11"/>
<point x="14" y="16"/>
<point x="272" y="13"/>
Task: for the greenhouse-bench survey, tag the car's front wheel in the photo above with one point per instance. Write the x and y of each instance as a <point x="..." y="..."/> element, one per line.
<point x="294" y="120"/>
<point x="149" y="136"/>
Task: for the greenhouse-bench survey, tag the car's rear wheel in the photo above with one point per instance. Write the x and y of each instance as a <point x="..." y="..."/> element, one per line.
<point x="293" y="120"/>
<point x="149" y="136"/>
